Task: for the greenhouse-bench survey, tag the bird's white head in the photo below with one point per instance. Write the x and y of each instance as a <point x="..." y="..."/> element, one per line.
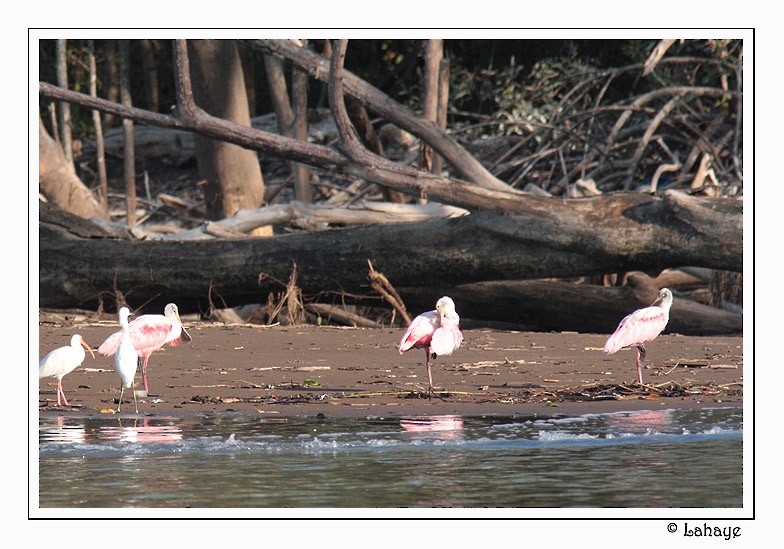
<point x="446" y="307"/>
<point x="125" y="312"/>
<point x="77" y="340"/>
<point x="665" y="299"/>
<point x="171" y="311"/>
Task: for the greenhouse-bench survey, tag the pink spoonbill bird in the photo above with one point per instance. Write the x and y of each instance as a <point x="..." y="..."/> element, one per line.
<point x="62" y="361"/>
<point x="148" y="334"/>
<point x="640" y="327"/>
<point x="126" y="359"/>
<point x="438" y="332"/>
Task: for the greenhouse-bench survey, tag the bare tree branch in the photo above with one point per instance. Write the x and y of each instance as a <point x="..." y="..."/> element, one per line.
<point x="377" y="101"/>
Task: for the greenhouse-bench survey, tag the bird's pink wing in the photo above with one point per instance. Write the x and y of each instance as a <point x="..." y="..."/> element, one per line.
<point x="446" y="339"/>
<point x="419" y="332"/>
<point x="639" y="327"/>
<point x="150" y="331"/>
<point x="147" y="332"/>
<point x="111" y="344"/>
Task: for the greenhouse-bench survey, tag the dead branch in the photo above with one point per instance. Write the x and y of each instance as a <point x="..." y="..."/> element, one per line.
<point x="381" y="284"/>
<point x="341" y="316"/>
<point x="318" y="68"/>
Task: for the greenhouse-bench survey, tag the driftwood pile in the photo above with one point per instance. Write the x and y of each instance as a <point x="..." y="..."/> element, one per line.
<point x="501" y="245"/>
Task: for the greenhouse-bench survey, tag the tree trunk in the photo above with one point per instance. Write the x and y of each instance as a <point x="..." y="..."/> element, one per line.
<point x="278" y="90"/>
<point x="560" y="241"/>
<point x="299" y="100"/>
<point x="129" y="157"/>
<point x="233" y="174"/>
<point x="111" y="80"/>
<point x="279" y="95"/>
<point x="65" y="108"/>
<point x="58" y="182"/>
<point x="150" y="67"/>
<point x="100" y="152"/>
<point x="443" y="109"/>
<point x="434" y="52"/>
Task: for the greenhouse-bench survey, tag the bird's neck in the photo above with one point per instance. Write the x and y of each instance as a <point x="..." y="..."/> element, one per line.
<point x="450" y="317"/>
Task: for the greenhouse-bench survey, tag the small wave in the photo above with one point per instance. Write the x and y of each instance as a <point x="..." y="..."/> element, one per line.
<point x="473" y="434"/>
<point x="547" y="436"/>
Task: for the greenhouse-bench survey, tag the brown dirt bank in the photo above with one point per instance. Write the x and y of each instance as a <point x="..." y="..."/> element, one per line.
<point x="356" y="372"/>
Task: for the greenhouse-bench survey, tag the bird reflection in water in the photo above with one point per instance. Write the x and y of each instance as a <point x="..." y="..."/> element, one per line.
<point x="443" y="427"/>
<point x="64" y="432"/>
<point x="439" y="476"/>
<point x="642" y="422"/>
<point x="142" y="430"/>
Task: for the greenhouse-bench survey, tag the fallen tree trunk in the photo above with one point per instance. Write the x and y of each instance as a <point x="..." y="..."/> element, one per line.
<point x="598" y="235"/>
<point x="317" y="215"/>
<point x="545" y="305"/>
<point x="341" y="316"/>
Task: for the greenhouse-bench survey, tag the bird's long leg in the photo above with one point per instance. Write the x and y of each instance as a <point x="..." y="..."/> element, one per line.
<point x="119" y="402"/>
<point x="429" y="374"/>
<point x="144" y="371"/>
<point x="135" y="405"/>
<point x="640" y="359"/>
<point x="431" y="392"/>
<point x="61" y="392"/>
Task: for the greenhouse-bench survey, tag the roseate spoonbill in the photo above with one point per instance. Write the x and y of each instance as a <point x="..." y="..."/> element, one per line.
<point x="640" y="327"/>
<point x="126" y="359"/>
<point x="438" y="332"/>
<point x="149" y="333"/>
<point x="62" y="361"/>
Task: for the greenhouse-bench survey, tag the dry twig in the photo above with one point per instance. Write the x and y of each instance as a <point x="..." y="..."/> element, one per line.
<point x="380" y="283"/>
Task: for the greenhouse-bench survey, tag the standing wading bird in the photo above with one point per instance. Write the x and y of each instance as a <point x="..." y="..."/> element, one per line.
<point x="126" y="360"/>
<point x="62" y="361"/>
<point x="642" y="326"/>
<point x="438" y="332"/>
<point x="149" y="333"/>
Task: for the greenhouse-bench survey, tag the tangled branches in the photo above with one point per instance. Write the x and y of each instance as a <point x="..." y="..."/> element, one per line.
<point x="672" y="123"/>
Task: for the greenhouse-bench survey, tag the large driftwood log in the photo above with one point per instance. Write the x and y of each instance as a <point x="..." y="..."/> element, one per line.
<point x="556" y="239"/>
<point x="544" y="305"/>
<point x="311" y="215"/>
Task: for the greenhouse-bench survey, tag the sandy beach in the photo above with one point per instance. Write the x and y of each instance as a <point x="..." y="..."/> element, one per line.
<point x="358" y="372"/>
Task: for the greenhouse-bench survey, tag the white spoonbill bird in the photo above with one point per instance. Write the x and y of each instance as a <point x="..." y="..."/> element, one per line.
<point x="640" y="327"/>
<point x="438" y="332"/>
<point x="126" y="359"/>
<point x="62" y="361"/>
<point x="149" y="333"/>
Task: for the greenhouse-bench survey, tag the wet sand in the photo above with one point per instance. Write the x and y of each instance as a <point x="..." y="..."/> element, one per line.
<point x="278" y="372"/>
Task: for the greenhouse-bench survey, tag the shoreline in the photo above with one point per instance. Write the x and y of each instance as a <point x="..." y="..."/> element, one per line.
<point x="335" y="372"/>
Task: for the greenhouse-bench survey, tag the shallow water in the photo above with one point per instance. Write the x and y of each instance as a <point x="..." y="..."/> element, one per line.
<point x="661" y="458"/>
